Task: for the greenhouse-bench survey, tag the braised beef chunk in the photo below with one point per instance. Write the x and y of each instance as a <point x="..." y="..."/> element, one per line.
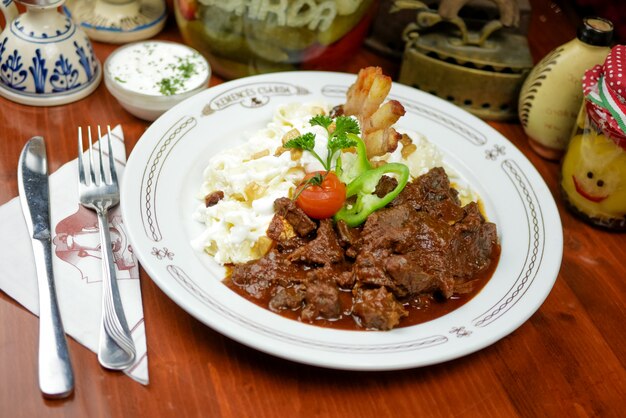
<point x="279" y="229"/>
<point x="432" y="193"/>
<point x="301" y="223"/>
<point x="345" y="280"/>
<point x="385" y="185"/>
<point x="322" y="300"/>
<point x="324" y="249"/>
<point x="336" y="111"/>
<point x="475" y="242"/>
<point x="342" y="277"/>
<point x="290" y="245"/>
<point x="389" y="227"/>
<point x="259" y="276"/>
<point x="287" y="297"/>
<point x="212" y="198"/>
<point x="369" y="269"/>
<point x="284" y="235"/>
<point x="406" y="251"/>
<point x="408" y="273"/>
<point x="402" y="229"/>
<point x="378" y="309"/>
<point x="347" y="236"/>
<point x="420" y="272"/>
<point x="423" y="247"/>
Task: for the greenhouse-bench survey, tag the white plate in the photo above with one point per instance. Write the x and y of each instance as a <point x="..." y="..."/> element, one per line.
<point x="164" y="172"/>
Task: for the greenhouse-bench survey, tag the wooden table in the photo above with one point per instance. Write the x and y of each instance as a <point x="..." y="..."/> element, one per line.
<point x="568" y="359"/>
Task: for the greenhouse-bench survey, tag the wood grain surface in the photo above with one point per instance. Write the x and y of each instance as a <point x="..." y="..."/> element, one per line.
<point x="567" y="360"/>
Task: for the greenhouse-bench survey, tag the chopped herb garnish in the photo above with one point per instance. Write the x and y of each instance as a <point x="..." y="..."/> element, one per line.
<point x="168" y="86"/>
<point x="183" y="71"/>
<point x="187" y="69"/>
<point x="119" y="80"/>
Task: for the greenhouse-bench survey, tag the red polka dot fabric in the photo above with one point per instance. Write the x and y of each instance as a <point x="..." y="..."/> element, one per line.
<point x="615" y="71"/>
<point x="590" y="79"/>
<point x="611" y="79"/>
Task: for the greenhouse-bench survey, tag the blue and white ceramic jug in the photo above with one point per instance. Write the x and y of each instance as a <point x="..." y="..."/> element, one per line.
<point x="45" y="59"/>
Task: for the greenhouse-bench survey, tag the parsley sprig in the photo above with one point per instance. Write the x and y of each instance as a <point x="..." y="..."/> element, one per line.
<point x="337" y="138"/>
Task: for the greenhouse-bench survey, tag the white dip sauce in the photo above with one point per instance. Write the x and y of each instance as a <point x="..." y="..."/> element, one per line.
<point x="158" y="68"/>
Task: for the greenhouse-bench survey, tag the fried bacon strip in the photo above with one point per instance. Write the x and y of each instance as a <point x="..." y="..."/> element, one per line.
<point x="365" y="101"/>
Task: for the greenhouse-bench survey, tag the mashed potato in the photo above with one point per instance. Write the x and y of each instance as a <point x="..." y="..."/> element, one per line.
<point x="254" y="174"/>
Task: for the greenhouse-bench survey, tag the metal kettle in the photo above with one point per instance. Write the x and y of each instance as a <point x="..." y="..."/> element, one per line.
<point x="477" y="65"/>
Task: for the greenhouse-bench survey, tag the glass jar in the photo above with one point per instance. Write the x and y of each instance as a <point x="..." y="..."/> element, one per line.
<point x="259" y="36"/>
<point x="593" y="173"/>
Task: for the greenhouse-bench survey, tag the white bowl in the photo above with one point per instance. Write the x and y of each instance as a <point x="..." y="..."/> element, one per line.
<point x="150" y="77"/>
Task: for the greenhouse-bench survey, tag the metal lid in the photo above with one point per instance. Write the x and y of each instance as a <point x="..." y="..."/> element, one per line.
<point x="503" y="52"/>
<point x="596" y="31"/>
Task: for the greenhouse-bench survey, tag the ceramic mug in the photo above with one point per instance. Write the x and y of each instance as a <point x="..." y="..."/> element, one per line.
<point x="45" y="59"/>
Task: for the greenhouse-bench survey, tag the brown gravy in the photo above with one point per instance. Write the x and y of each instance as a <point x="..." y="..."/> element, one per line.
<point x="419" y="311"/>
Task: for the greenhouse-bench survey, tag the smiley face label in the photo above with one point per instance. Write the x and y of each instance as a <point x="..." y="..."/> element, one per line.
<point x="594" y="176"/>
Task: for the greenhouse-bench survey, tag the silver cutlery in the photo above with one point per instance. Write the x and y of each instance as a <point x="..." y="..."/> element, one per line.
<point x="56" y="378"/>
<point x="99" y="190"/>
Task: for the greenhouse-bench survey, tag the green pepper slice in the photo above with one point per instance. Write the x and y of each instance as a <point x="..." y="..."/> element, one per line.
<point x="361" y="165"/>
<point x="364" y="187"/>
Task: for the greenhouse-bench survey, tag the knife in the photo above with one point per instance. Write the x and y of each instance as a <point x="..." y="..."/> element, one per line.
<point x="56" y="378"/>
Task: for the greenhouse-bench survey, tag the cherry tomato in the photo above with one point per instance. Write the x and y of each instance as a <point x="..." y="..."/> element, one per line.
<point x="324" y="200"/>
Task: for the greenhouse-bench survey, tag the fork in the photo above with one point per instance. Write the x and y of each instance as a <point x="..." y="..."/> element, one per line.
<point x="100" y="192"/>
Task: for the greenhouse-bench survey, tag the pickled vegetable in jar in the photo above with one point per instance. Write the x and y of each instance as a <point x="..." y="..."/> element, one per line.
<point x="593" y="173"/>
<point x="241" y="38"/>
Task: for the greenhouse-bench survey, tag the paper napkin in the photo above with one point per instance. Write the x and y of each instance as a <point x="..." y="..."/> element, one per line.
<point x="76" y="261"/>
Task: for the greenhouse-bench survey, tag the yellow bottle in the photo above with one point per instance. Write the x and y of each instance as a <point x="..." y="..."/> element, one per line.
<point x="551" y="95"/>
<point x="593" y="174"/>
<point x="594" y="180"/>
